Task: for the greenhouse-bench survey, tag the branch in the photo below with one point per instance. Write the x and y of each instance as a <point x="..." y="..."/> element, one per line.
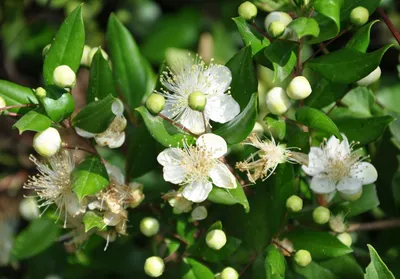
<point x="373" y="226"/>
<point x="180" y="126"/>
<point x="389" y="24"/>
<point x="18" y="106"/>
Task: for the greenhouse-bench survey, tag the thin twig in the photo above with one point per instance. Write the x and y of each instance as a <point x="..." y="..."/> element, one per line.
<point x="299" y="65"/>
<point x="389" y="24"/>
<point x="18" y="106"/>
<point x="248" y="265"/>
<point x="378" y="225"/>
<point x="180" y="126"/>
<point x="66" y="146"/>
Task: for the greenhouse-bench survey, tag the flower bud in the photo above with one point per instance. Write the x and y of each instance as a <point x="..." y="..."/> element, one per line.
<point x="247" y="10"/>
<point x="276" y="29"/>
<point x="197" y="101"/>
<point x="302" y="258"/>
<point x="359" y="16"/>
<point x="155" y="103"/>
<point x="371" y="78"/>
<point x="229" y="273"/>
<point x="199" y="213"/>
<point x="47" y="142"/>
<point x="278" y="16"/>
<point x="321" y="215"/>
<point x="46" y="50"/>
<point x="154" y="266"/>
<point x="63" y="76"/>
<point x="149" y="226"/>
<point x="216" y="239"/>
<point x="2" y="102"/>
<point x="337" y="223"/>
<point x="345" y="238"/>
<point x="40" y="92"/>
<point x="353" y="197"/>
<point x="299" y="88"/>
<point x="294" y="203"/>
<point x="85" y="60"/>
<point x="93" y="52"/>
<point x="277" y="101"/>
<point x="28" y="208"/>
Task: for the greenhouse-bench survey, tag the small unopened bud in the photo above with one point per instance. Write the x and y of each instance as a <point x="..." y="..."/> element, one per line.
<point x="321" y="215"/>
<point x="93" y="52"/>
<point x="294" y="203"/>
<point x="155" y="103"/>
<point x="299" y="88"/>
<point x="85" y="60"/>
<point x="46" y="50"/>
<point x="63" y="76"/>
<point x="247" y="10"/>
<point x="282" y="17"/>
<point x="216" y="239"/>
<point x="371" y="78"/>
<point x="197" y="101"/>
<point x="345" y="238"/>
<point x="28" y="208"/>
<point x="353" y="197"/>
<point x="277" y="101"/>
<point x="2" y="102"/>
<point x="149" y="226"/>
<point x="359" y="16"/>
<point x="199" y="213"/>
<point x="302" y="258"/>
<point x="40" y="92"/>
<point x="337" y="223"/>
<point x="276" y="29"/>
<point x="154" y="266"/>
<point x="229" y="273"/>
<point x="47" y="142"/>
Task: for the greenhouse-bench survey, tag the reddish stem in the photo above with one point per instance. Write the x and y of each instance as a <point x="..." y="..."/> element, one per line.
<point x="18" y="106"/>
<point x="389" y="24"/>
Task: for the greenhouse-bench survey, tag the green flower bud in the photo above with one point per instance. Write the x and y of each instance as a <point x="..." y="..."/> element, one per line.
<point x="276" y="29"/>
<point x="46" y="50"/>
<point x="47" y="142"/>
<point x="299" y="88"/>
<point x="229" y="273"/>
<point x="63" y="76"/>
<point x="2" y="102"/>
<point x="40" y="92"/>
<point x="345" y="238"/>
<point x="197" y="101"/>
<point x="85" y="60"/>
<point x="321" y="215"/>
<point x="216" y="239"/>
<point x="155" y="103"/>
<point x="277" y="101"/>
<point x="199" y="213"/>
<point x="154" y="266"/>
<point x="359" y="16"/>
<point x="371" y="78"/>
<point x="149" y="226"/>
<point x="282" y="17"/>
<point x="294" y="203"/>
<point x="353" y="197"/>
<point x="302" y="258"/>
<point x="93" y="52"/>
<point x="247" y="10"/>
<point x="337" y="223"/>
<point x="29" y="209"/>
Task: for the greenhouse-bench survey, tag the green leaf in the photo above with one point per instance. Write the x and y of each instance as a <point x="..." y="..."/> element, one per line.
<point x="15" y="94"/>
<point x="360" y="40"/>
<point x="315" y="271"/>
<point x="67" y="47"/>
<point x="34" y="120"/>
<point x="38" y="236"/>
<point x="229" y="196"/>
<point x="92" y="220"/>
<point x="162" y="130"/>
<point x="89" y="177"/>
<point x="347" y="65"/>
<point x="192" y="269"/>
<point x="216" y="226"/>
<point x="358" y="101"/>
<point x="321" y="245"/>
<point x="241" y="126"/>
<point x="132" y="73"/>
<point x="349" y="5"/>
<point x="345" y="267"/>
<point x="283" y="58"/>
<point x="316" y="119"/>
<point x="96" y="117"/>
<point x="275" y="264"/>
<point x="101" y="82"/>
<point x="244" y="79"/>
<point x="389" y="97"/>
<point x="58" y="103"/>
<point x="276" y="126"/>
<point x="377" y="269"/>
<point x="304" y="26"/>
<point x="364" y="130"/>
<point x="172" y="245"/>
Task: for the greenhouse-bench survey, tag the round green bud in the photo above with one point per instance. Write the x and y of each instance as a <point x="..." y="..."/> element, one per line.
<point x="299" y="88"/>
<point x="276" y="29"/>
<point x="294" y="203"/>
<point x="282" y="17"/>
<point x="216" y="239"/>
<point x="352" y="197"/>
<point x="199" y="213"/>
<point x="85" y="60"/>
<point x="46" y="50"/>
<point x="247" y="10"/>
<point x="154" y="266"/>
<point x="229" y="273"/>
<point x="93" y="52"/>
<point x="40" y="92"/>
<point x="197" y="101"/>
<point x="321" y="215"/>
<point x="47" y="142"/>
<point x="149" y="226"/>
<point x="345" y="238"/>
<point x="155" y="103"/>
<point x="359" y="16"/>
<point x="371" y="78"/>
<point x="277" y="101"/>
<point x="63" y="76"/>
<point x="29" y="209"/>
<point x="302" y="258"/>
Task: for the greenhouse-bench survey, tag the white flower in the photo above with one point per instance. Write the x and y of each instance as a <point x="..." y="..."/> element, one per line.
<point x="192" y="77"/>
<point x="334" y="166"/>
<point x="198" y="167"/>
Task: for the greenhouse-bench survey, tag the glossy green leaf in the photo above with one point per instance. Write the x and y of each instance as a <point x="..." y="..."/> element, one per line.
<point x="35" y="120"/>
<point x="347" y="65"/>
<point x="92" y="220"/>
<point x="360" y="40"/>
<point x="377" y="269"/>
<point x="304" y="26"/>
<point x="358" y="102"/>
<point x="172" y="245"/>
<point x="241" y="126"/>
<point x="275" y="264"/>
<point x="67" y="47"/>
<point x="390" y="98"/>
<point x="345" y="267"/>
<point x="229" y="196"/>
<point x="216" y="226"/>
<point x="58" y="103"/>
<point x="276" y="126"/>
<point x="38" y="236"/>
<point x="15" y="94"/>
<point x="314" y="271"/>
<point x="316" y="119"/>
<point x="89" y="177"/>
<point x="192" y="269"/>
<point x="283" y="58"/>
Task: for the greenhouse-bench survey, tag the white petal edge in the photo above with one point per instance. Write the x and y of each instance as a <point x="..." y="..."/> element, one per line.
<point x="349" y="186"/>
<point x="174" y="174"/>
<point x="214" y="144"/>
<point x="193" y="120"/>
<point x="220" y="77"/>
<point x="117" y="107"/>
<point x="322" y="185"/>
<point x="197" y="191"/>
<point x="84" y="133"/>
<point x="316" y="162"/>
<point x="118" y="141"/>
<point x="170" y="156"/>
<point x="222" y="177"/>
<point x="222" y="108"/>
<point x="365" y="172"/>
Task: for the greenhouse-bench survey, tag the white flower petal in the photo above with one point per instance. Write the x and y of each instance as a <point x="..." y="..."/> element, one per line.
<point x="365" y="172"/>
<point x="170" y="110"/>
<point x="322" y="185"/>
<point x="115" y="173"/>
<point x="193" y="120"/>
<point x="197" y="191"/>
<point x="117" y="107"/>
<point x="214" y="144"/>
<point x="218" y="78"/>
<point x="117" y="141"/>
<point x="174" y="174"/>
<point x="345" y="146"/>
<point x="332" y="147"/>
<point x="316" y="162"/>
<point x="84" y="133"/>
<point x="349" y="186"/>
<point x="222" y="177"/>
<point x="221" y="108"/>
<point x="170" y="156"/>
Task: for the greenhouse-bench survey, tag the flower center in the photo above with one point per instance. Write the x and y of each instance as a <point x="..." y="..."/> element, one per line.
<point x="340" y="168"/>
<point x="197" y="163"/>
